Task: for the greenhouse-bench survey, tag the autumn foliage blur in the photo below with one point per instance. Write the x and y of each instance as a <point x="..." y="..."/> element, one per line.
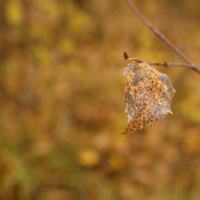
<point x="61" y="66"/>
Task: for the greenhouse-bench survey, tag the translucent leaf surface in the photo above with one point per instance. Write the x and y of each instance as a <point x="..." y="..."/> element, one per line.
<point x="147" y="94"/>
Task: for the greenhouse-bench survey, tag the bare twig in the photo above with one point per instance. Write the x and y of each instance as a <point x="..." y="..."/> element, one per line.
<point x="162" y="37"/>
<point x="193" y="67"/>
<point x="170" y="64"/>
<point x="126" y="56"/>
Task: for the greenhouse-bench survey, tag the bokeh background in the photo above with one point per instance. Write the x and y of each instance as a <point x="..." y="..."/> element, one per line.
<point x="61" y="66"/>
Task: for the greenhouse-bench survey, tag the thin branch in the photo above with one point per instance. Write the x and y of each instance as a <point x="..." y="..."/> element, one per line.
<point x="176" y="64"/>
<point x="170" y="64"/>
<point x="163" y="38"/>
<point x="126" y="56"/>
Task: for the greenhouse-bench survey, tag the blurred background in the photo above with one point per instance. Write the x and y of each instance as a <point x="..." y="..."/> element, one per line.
<point x="61" y="66"/>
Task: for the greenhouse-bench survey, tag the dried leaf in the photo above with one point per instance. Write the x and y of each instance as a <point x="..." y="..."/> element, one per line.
<point x="147" y="94"/>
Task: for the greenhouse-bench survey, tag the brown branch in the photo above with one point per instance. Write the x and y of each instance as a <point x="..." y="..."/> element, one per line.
<point x="193" y="67"/>
<point x="126" y="56"/>
<point x="163" y="38"/>
<point x="170" y="64"/>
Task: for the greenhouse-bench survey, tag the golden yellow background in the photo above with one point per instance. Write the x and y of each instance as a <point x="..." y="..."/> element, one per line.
<point x="61" y="66"/>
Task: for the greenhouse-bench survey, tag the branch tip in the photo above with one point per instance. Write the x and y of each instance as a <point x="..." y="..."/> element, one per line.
<point x="126" y="55"/>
